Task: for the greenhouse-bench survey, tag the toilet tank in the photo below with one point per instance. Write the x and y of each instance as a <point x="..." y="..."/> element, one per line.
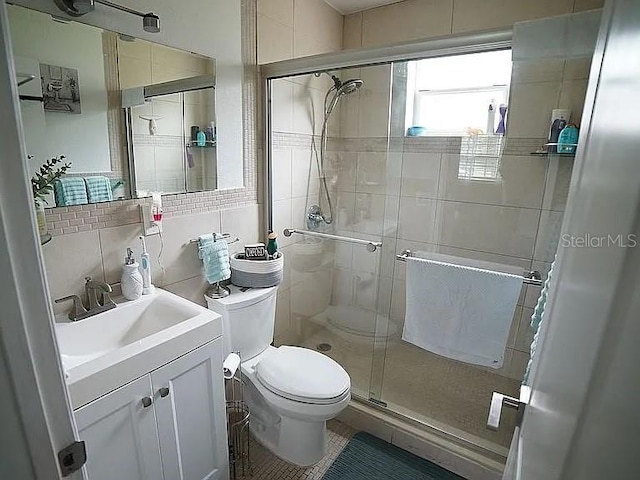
<point x="248" y="319"/>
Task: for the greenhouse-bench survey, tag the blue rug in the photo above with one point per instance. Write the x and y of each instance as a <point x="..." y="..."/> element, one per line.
<point x="368" y="458"/>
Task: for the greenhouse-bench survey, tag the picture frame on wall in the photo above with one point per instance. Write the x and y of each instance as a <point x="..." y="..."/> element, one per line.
<point x="60" y="89"/>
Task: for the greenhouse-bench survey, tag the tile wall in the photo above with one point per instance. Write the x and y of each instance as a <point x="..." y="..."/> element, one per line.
<point x="420" y="19"/>
<point x="297" y="28"/>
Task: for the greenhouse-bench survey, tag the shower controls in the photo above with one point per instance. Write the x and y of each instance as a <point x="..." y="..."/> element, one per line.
<point x="315" y="217"/>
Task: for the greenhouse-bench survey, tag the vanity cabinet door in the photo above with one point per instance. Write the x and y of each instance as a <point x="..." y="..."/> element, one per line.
<point x="120" y="433"/>
<point x="190" y="410"/>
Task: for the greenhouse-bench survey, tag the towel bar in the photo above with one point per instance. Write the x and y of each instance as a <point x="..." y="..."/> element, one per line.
<point x="530" y="278"/>
<point x="216" y="236"/>
<point x="372" y="246"/>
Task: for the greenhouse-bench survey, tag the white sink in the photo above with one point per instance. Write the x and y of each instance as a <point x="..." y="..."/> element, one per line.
<point x="103" y="352"/>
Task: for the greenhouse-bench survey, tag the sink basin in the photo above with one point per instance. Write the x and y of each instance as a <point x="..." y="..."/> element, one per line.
<point x="103" y="352"/>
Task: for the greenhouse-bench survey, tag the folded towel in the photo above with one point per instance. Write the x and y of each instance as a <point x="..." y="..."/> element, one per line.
<point x="536" y="322"/>
<point x="70" y="191"/>
<point x="98" y="189"/>
<point x="215" y="257"/>
<point x="461" y="312"/>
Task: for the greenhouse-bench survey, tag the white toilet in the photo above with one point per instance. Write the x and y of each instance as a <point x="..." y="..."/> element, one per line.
<point x="291" y="392"/>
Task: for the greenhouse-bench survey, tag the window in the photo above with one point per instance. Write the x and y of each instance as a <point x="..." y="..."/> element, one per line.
<point x="450" y="96"/>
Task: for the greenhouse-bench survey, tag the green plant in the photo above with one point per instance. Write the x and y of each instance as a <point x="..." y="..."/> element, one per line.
<point x="42" y="181"/>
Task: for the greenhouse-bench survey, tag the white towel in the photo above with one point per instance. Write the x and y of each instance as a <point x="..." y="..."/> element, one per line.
<point x="461" y="312"/>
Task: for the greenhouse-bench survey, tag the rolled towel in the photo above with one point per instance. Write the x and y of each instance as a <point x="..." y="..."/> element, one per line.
<point x="215" y="257"/>
<point x="98" y="189"/>
<point x="70" y="191"/>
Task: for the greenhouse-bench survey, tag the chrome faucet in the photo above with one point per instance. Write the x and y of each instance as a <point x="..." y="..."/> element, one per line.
<point x="98" y="300"/>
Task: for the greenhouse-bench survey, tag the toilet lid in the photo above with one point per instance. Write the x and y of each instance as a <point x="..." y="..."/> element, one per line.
<point x="303" y="375"/>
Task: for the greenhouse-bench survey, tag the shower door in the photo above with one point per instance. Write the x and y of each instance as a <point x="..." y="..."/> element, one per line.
<point x="464" y="194"/>
<point x="334" y="185"/>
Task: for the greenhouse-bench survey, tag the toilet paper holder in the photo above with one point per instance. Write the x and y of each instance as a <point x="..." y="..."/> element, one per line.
<point x="237" y="417"/>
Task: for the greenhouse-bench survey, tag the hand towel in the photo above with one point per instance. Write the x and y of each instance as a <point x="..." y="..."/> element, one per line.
<point x="70" y="191"/>
<point x="461" y="312"/>
<point x="98" y="189"/>
<point x="215" y="257"/>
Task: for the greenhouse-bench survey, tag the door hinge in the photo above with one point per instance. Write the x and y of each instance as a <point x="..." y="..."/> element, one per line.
<point x="72" y="458"/>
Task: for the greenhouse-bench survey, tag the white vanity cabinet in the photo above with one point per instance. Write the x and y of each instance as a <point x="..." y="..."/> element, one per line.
<point x="170" y="423"/>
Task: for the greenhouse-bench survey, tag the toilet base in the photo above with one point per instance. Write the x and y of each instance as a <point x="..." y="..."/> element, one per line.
<point x="297" y="441"/>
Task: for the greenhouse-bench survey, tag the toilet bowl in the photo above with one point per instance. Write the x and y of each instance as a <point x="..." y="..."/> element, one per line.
<point x="291" y="391"/>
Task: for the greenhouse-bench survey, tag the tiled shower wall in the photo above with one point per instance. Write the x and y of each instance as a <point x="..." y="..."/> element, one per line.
<point x="419" y="19"/>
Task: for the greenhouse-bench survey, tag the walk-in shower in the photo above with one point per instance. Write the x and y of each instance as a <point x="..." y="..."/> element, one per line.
<point x="315" y="215"/>
<point x="383" y="191"/>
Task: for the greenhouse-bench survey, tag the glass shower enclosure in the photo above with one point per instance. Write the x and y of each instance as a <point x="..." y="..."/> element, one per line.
<point x="353" y="181"/>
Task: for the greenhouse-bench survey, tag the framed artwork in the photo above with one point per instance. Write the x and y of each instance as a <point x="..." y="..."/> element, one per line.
<point x="60" y="89"/>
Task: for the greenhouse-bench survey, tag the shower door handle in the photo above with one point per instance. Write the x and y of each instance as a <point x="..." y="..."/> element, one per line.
<point x="499" y="400"/>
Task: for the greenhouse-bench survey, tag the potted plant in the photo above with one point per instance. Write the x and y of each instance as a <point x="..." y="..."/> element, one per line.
<point x="42" y="186"/>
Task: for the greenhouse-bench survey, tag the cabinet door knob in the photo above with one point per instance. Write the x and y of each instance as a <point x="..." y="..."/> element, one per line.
<point x="164" y="391"/>
<point x="146" y="402"/>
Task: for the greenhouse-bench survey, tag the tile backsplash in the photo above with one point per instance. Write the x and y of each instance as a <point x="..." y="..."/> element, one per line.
<point x="99" y="252"/>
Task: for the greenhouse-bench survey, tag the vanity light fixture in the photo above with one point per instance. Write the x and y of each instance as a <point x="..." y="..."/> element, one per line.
<point x="77" y="8"/>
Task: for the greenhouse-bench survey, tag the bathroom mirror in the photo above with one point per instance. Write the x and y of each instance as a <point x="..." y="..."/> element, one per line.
<point x="71" y="79"/>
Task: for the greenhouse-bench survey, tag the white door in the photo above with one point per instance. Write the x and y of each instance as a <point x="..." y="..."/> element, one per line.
<point x="120" y="433"/>
<point x="190" y="409"/>
<point x="583" y="419"/>
<point x="36" y="415"/>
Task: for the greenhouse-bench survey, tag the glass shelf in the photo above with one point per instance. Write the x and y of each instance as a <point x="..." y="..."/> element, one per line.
<point x="208" y="144"/>
<point x="552" y="154"/>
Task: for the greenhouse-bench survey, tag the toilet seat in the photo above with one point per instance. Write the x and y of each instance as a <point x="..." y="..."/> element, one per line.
<point x="303" y="375"/>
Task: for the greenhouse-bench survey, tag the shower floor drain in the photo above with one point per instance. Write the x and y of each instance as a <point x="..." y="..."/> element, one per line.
<point x="323" y="347"/>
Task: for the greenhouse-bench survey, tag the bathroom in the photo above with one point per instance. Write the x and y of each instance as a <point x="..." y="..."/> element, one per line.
<point x="260" y="166"/>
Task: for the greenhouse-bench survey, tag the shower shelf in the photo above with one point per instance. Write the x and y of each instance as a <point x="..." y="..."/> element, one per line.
<point x="552" y="154"/>
<point x="209" y="144"/>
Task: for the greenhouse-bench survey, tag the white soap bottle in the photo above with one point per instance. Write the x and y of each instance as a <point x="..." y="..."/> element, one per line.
<point x="131" y="280"/>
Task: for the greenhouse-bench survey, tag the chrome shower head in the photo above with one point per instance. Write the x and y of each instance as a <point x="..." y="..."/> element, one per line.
<point x="350" y="86"/>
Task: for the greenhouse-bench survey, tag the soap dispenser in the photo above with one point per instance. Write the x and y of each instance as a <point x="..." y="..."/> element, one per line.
<point x="131" y="280"/>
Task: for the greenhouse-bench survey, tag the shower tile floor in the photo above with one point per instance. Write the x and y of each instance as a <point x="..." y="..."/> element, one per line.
<point x="426" y="386"/>
<point x="267" y="466"/>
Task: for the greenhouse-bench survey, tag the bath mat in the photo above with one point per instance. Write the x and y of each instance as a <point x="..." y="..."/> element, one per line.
<point x="368" y="458"/>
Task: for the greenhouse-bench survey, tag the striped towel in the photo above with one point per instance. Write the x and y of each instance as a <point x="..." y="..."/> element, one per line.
<point x="98" y="189"/>
<point x="215" y="257"/>
<point x="70" y="191"/>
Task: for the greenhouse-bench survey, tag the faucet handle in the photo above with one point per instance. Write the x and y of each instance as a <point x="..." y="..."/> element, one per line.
<point x="78" y="308"/>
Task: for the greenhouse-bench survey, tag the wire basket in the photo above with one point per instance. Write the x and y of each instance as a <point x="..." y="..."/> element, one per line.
<point x="238" y="428"/>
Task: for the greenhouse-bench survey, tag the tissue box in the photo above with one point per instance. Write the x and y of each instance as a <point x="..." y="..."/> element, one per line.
<point x="250" y="273"/>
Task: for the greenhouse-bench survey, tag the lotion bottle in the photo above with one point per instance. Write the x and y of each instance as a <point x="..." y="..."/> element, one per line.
<point x="131" y="280"/>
